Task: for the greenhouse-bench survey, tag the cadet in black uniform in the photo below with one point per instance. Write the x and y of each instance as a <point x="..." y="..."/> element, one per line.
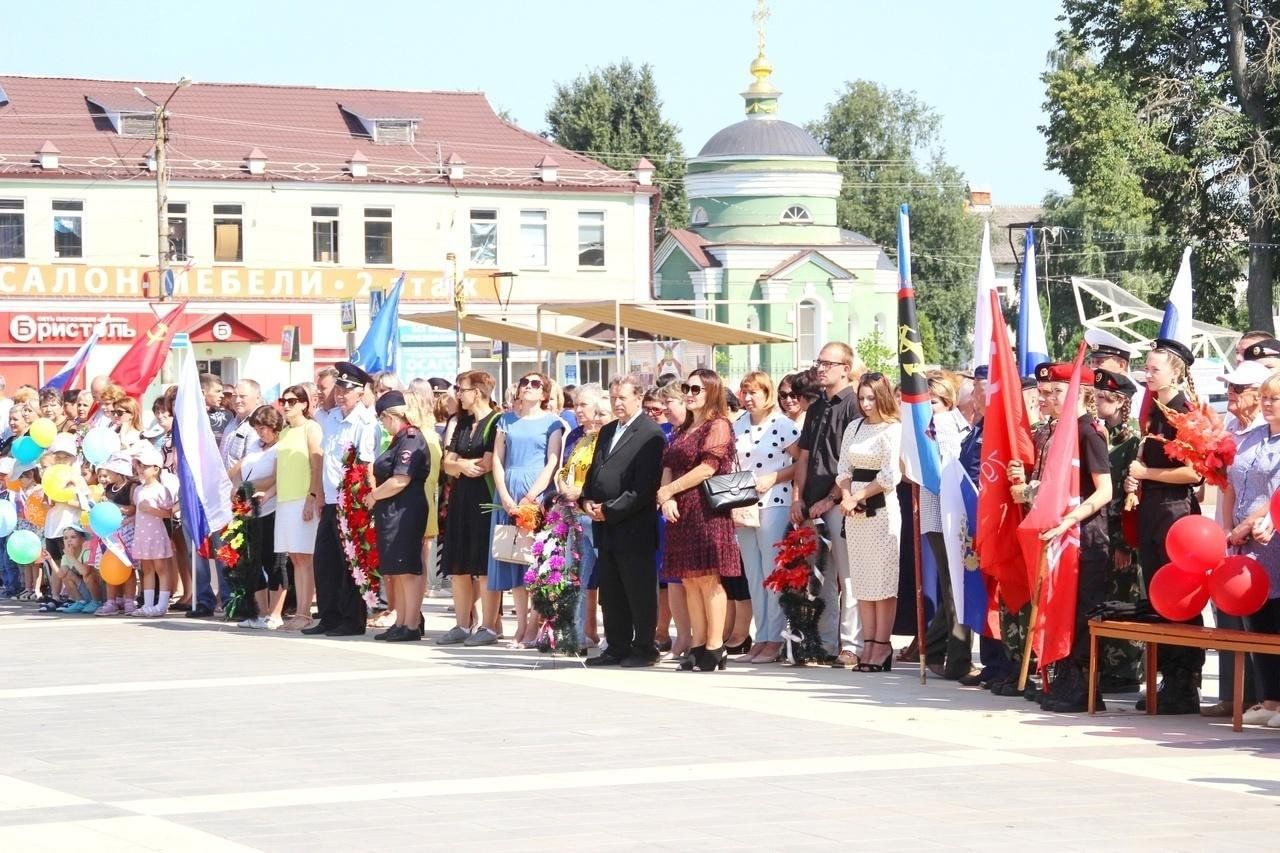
<point x="399" y="504"/>
<point x="1166" y="489"/>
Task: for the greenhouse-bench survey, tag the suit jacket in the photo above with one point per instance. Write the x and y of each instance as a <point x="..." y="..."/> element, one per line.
<point x="625" y="482"/>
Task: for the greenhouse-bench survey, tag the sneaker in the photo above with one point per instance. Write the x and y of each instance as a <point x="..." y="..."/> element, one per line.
<point x="144" y="610"/>
<point x="272" y="623"/>
<point x="456" y="634"/>
<point x="1259" y="716"/>
<point x="157" y="611"/>
<point x="130" y="607"/>
<point x="482" y="637"/>
<point x="110" y="608"/>
<point x="71" y="607"/>
<point x="90" y="607"/>
<point x="1274" y="722"/>
<point x="256" y="622"/>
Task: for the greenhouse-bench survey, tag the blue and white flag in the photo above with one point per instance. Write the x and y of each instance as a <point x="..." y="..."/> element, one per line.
<point x="1176" y="324"/>
<point x="959" y="525"/>
<point x="1032" y="349"/>
<point x="66" y="377"/>
<point x="205" y="489"/>
<point x="380" y="349"/>
<point x="920" y="462"/>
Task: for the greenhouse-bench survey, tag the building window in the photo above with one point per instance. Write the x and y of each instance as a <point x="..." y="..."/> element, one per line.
<point x="590" y="238"/>
<point x="324" y="235"/>
<point x="13" y="229"/>
<point x="177" y="231"/>
<point x="698" y="216"/>
<point x="533" y="238"/>
<point x="377" y="235"/>
<point x="228" y="233"/>
<point x="806" y="332"/>
<point x="484" y="237"/>
<point x="68" y="236"/>
<point x="796" y="214"/>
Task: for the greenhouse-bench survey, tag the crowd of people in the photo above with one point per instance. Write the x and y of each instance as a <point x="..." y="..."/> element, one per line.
<point x="663" y="571"/>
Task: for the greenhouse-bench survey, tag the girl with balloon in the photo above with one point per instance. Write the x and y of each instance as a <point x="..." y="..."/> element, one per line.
<point x="115" y="475"/>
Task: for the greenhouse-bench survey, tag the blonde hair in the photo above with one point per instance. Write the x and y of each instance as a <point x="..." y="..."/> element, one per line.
<point x="758" y="380"/>
<point x="942" y="386"/>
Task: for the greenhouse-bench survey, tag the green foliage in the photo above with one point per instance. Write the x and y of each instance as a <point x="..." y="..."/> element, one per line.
<point x="614" y="114"/>
<point x="888" y="143"/>
<point x="876" y="355"/>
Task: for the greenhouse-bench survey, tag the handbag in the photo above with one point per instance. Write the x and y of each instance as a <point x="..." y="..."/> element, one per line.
<point x="730" y="491"/>
<point x="510" y="545"/>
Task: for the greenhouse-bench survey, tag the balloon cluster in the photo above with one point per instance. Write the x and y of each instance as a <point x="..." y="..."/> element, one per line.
<point x="1199" y="568"/>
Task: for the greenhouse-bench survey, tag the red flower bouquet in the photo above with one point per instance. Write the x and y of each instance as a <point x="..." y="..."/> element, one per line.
<point x="236" y="551"/>
<point x="797" y="578"/>
<point x="1201" y="441"/>
<point x="355" y="527"/>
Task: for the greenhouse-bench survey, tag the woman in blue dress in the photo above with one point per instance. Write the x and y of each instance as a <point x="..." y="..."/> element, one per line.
<point x="526" y="452"/>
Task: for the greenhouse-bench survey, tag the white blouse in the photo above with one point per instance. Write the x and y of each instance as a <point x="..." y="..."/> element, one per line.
<point x="762" y="449"/>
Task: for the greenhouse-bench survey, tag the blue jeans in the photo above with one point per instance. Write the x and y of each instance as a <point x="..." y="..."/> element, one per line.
<point x="202" y="576"/>
<point x="10" y="574"/>
<point x="587" y="549"/>
<point x="759" y="548"/>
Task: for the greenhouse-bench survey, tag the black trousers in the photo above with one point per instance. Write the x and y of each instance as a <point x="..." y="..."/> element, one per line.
<point x="1091" y="590"/>
<point x="1157" y="512"/>
<point x="629" y="598"/>
<point x="1266" y="668"/>
<point x="948" y="641"/>
<point x="337" y="600"/>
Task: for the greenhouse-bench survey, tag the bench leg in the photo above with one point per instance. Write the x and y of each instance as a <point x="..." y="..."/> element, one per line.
<point x="1152" y="668"/>
<point x="1093" y="672"/>
<point x="1237" y="696"/>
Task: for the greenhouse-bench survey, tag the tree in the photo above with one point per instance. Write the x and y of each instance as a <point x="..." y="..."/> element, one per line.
<point x="614" y="115"/>
<point x="889" y="152"/>
<point x="876" y="355"/>
<point x="1160" y="115"/>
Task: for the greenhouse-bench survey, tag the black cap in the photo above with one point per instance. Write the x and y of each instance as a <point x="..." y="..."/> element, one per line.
<point x="437" y="384"/>
<point x="1179" y="349"/>
<point x="389" y="400"/>
<point x="1265" y="348"/>
<point x="1029" y="383"/>
<point x="1109" y="380"/>
<point x="982" y="372"/>
<point x="351" y="376"/>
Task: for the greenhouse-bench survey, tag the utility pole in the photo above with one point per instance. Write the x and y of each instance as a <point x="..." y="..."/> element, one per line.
<point x="459" y="307"/>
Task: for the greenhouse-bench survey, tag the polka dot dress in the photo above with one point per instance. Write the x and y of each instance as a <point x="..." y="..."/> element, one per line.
<point x="762" y="449"/>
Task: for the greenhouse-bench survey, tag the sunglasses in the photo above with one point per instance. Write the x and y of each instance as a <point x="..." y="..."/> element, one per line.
<point x="1239" y="389"/>
<point x="691" y="389"/>
<point x="788" y="395"/>
<point x="119" y="413"/>
<point x="290" y="401"/>
<point x="535" y="384"/>
<point x="654" y="410"/>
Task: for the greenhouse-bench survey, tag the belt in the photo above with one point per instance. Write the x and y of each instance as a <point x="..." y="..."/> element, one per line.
<point x="875" y="502"/>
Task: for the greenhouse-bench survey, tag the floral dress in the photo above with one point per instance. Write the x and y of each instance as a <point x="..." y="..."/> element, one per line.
<point x="151" y="538"/>
<point x="702" y="542"/>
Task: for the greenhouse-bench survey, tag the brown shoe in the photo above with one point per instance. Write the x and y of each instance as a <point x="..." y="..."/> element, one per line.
<point x="1222" y="709"/>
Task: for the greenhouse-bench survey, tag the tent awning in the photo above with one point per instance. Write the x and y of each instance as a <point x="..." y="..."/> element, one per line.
<point x="1122" y="310"/>
<point x="666" y="324"/>
<point x="512" y="333"/>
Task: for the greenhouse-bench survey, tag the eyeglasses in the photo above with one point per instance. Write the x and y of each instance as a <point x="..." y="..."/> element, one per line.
<point x="533" y="383"/>
<point x="691" y="389"/>
<point x="654" y="410"/>
<point x="461" y="390"/>
<point x="290" y="401"/>
<point x="119" y="413"/>
<point x="823" y="364"/>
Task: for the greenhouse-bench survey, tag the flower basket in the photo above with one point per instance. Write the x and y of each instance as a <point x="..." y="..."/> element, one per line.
<point x="238" y="551"/>
<point x="554" y="580"/>
<point x="355" y="527"/>
<point x="797" y="578"/>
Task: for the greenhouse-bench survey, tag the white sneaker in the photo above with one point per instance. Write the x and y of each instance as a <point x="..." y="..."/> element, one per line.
<point x="1259" y="716"/>
<point x="1274" y="722"/>
<point x="143" y="610"/>
<point x="255" y="622"/>
<point x="272" y="623"/>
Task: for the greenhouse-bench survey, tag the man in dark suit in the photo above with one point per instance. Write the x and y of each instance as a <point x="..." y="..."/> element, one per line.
<point x="619" y="494"/>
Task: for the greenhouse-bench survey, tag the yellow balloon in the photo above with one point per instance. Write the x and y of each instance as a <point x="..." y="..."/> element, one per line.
<point x="113" y="571"/>
<point x="57" y="483"/>
<point x="42" y="431"/>
<point x="84" y="518"/>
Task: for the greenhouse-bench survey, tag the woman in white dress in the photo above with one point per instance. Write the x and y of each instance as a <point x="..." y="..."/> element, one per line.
<point x="869" y="469"/>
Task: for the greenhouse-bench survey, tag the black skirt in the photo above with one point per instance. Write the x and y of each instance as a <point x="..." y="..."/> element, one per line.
<point x="466" y="528"/>
<point x="401" y="525"/>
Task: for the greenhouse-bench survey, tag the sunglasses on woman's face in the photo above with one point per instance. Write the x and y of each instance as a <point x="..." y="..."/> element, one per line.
<point x="119" y="413"/>
<point x="534" y="383"/>
<point x="788" y="395"/>
<point x="290" y="401"/>
<point x="693" y="390"/>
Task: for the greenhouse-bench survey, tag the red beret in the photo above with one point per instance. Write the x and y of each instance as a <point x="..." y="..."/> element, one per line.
<point x="1053" y="371"/>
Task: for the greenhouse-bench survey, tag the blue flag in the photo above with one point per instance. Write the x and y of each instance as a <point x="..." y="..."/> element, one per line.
<point x="380" y="349"/>
<point x="920" y="461"/>
<point x="1032" y="349"/>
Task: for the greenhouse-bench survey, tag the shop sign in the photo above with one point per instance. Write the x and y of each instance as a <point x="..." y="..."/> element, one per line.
<point x="61" y="328"/>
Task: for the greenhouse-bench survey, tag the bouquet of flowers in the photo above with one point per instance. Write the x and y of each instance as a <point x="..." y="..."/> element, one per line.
<point x="797" y="578"/>
<point x="238" y="546"/>
<point x="527" y="517"/>
<point x="554" y="579"/>
<point x="355" y="527"/>
<point x="1200" y="441"/>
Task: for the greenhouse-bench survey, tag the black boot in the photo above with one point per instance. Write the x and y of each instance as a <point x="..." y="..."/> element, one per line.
<point x="1068" y="692"/>
<point x="1177" y="694"/>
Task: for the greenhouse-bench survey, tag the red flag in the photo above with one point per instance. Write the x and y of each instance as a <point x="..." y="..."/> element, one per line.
<point x="140" y="364"/>
<point x="1059" y="493"/>
<point x="1006" y="435"/>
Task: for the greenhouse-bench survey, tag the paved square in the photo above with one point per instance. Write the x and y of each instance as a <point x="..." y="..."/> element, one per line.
<point x="125" y="734"/>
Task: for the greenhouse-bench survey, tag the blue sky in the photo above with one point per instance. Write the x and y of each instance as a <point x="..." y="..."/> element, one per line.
<point x="977" y="62"/>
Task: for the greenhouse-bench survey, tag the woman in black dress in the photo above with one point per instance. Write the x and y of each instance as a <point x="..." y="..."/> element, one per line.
<point x="399" y="504"/>
<point x="468" y="458"/>
<point x="1167" y="493"/>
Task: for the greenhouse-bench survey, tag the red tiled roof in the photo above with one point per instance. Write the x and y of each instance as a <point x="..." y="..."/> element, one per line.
<point x="694" y="247"/>
<point x="303" y="131"/>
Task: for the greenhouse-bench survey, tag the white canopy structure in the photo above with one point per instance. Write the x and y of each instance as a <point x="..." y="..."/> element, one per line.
<point x="1123" y="311"/>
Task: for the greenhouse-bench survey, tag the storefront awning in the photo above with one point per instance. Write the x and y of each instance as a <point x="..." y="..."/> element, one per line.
<point x="512" y="333"/>
<point x="666" y="324"/>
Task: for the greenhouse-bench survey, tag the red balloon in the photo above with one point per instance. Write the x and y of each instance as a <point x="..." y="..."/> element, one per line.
<point x="1240" y="585"/>
<point x="1178" y="595"/>
<point x="1196" y="543"/>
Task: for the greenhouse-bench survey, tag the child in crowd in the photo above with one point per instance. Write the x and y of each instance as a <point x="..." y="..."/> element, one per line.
<point x="115" y="477"/>
<point x="154" y="502"/>
<point x="77" y="570"/>
<point x="61" y="514"/>
<point x="32" y="509"/>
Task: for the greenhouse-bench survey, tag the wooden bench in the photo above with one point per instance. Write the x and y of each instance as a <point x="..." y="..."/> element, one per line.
<point x="1155" y="634"/>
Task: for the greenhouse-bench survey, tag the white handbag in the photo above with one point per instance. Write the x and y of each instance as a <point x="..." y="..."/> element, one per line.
<point x="510" y="545"/>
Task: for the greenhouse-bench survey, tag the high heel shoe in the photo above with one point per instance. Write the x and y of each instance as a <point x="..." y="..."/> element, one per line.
<point x="713" y="659"/>
<point x="741" y="648"/>
<point x="690" y="658"/>
<point x="885" y="665"/>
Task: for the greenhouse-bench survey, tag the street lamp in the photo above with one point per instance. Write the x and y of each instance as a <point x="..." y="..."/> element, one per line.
<point x="459" y="306"/>
<point x="162" y="181"/>
<point x="509" y="278"/>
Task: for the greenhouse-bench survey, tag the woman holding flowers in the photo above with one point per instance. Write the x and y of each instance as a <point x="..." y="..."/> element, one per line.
<point x="399" y="505"/>
<point x="526" y="451"/>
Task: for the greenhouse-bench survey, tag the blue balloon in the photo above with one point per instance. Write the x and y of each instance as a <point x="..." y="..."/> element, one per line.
<point x="8" y="517"/>
<point x="99" y="443"/>
<point x="26" y="451"/>
<point x="105" y="518"/>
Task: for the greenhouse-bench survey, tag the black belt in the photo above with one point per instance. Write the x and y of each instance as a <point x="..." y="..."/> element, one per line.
<point x="875" y="502"/>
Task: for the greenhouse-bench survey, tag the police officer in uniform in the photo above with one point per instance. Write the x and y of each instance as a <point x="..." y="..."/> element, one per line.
<point x="1166" y="490"/>
<point x="399" y="504"/>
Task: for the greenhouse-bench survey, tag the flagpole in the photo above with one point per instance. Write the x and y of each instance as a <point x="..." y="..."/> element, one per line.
<point x="1035" y="612"/>
<point x="915" y="539"/>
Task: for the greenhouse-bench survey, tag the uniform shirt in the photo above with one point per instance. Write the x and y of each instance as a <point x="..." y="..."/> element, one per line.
<point x="340" y="432"/>
<point x="1153" y="452"/>
<point x="1094" y="459"/>
<point x="406" y="456"/>
<point x="824" y="427"/>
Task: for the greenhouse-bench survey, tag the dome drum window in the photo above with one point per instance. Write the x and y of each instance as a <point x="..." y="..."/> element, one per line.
<point x="698" y="216"/>
<point x="796" y="215"/>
